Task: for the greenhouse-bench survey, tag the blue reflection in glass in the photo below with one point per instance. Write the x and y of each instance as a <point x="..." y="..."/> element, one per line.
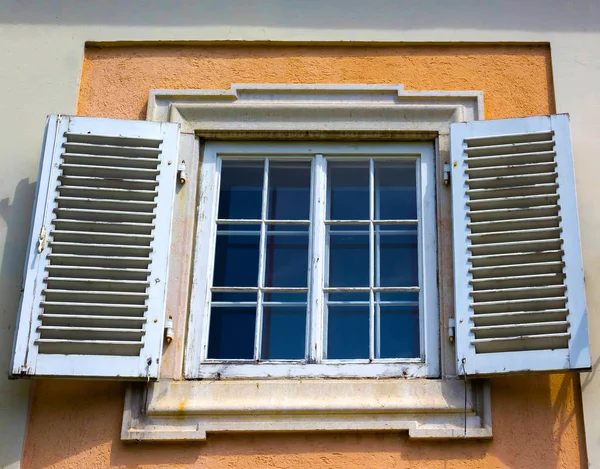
<point x="286" y="257"/>
<point x="231" y="332"/>
<point x="347" y="332"/>
<point x="395" y="190"/>
<point x="399" y="332"/>
<point x="398" y="260"/>
<point x="240" y="195"/>
<point x="348" y="256"/>
<point x="236" y="256"/>
<point x="233" y="296"/>
<point x="289" y="190"/>
<point x="284" y="332"/>
<point x="348" y="190"/>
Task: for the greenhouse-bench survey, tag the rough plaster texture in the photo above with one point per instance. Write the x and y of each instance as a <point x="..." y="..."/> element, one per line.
<point x="537" y="419"/>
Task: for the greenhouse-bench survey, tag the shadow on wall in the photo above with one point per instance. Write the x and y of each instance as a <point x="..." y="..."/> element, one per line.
<point x="16" y="216"/>
<point x="534" y="15"/>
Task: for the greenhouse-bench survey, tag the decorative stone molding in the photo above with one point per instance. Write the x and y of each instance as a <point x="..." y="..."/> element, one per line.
<point x="188" y="410"/>
<point x="173" y="410"/>
<point x="317" y="109"/>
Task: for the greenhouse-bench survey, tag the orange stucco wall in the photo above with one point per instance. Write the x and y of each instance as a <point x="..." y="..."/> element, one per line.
<point x="537" y="419"/>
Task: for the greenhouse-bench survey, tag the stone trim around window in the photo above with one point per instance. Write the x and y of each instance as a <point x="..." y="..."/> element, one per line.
<point x="178" y="410"/>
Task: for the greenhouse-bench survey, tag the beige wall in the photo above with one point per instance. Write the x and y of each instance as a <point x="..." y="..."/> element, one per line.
<point x="41" y="53"/>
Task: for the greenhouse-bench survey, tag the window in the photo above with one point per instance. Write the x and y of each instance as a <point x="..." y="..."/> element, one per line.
<point x="101" y="226"/>
<point x="317" y="259"/>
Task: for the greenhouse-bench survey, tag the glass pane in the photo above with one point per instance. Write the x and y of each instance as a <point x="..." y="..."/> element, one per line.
<point x="286" y="257"/>
<point x="399" y="332"/>
<point x="289" y="190"/>
<point x="348" y="296"/>
<point x="347" y="332"/>
<point x="348" y="190"/>
<point x="397" y="261"/>
<point x="231" y="332"/>
<point x="284" y="333"/>
<point x="240" y="196"/>
<point x="348" y="256"/>
<point x="236" y="256"/>
<point x="395" y="190"/>
<point x="286" y="297"/>
<point x="233" y="296"/>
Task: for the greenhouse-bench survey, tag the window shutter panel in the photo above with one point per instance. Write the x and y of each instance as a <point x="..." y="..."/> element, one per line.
<point x="519" y="289"/>
<point x="93" y="301"/>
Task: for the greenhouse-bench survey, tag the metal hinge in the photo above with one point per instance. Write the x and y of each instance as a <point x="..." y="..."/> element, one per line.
<point x="446" y="174"/>
<point x="451" y="329"/>
<point x="42" y="240"/>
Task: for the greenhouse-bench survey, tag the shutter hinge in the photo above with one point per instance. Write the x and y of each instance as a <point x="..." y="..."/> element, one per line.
<point x="169" y="330"/>
<point x="446" y="174"/>
<point x="42" y="240"/>
<point x="451" y="329"/>
<point x="181" y="173"/>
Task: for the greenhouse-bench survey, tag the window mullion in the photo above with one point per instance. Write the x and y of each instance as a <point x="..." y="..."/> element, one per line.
<point x="317" y="262"/>
<point x="261" y="265"/>
<point x="371" y="259"/>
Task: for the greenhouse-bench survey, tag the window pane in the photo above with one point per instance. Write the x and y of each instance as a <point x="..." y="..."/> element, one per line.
<point x="348" y="256"/>
<point x="397" y="261"/>
<point x="236" y="256"/>
<point x="348" y="190"/>
<point x="395" y="190"/>
<point x="289" y="190"/>
<point x="399" y="332"/>
<point x="284" y="332"/>
<point x="347" y="332"/>
<point x="286" y="257"/>
<point x="232" y="332"/>
<point x="224" y="297"/>
<point x="240" y="196"/>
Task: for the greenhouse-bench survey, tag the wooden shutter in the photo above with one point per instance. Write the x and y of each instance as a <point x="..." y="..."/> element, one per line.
<point x="93" y="301"/>
<point x="519" y="292"/>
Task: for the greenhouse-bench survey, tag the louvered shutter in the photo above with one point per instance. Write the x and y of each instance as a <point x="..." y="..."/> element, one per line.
<point x="519" y="292"/>
<point x="93" y="299"/>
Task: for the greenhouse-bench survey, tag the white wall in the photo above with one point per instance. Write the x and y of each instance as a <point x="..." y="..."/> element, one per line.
<point x="41" y="50"/>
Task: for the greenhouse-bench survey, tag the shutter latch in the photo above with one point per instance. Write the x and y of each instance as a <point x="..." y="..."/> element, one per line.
<point x="42" y="240"/>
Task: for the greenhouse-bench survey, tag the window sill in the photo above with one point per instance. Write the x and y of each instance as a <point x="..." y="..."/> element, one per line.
<point x="187" y="410"/>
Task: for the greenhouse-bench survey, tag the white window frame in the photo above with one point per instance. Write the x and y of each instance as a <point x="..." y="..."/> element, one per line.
<point x="427" y="365"/>
<point x="174" y="409"/>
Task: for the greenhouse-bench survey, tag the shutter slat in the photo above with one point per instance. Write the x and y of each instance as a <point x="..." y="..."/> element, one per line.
<point x="89" y="320"/>
<point x="104" y="193"/>
<point x="107" y="160"/>
<point x="518" y="277"/>
<point x="107" y="188"/>
<point x="510" y="170"/>
<point x="515" y="330"/>
<point x="519" y="317"/>
<point x="509" y="148"/>
<point x="511" y="225"/>
<point x="106" y="236"/>
<point x="105" y="215"/>
<point x="92" y="226"/>
<point x="69" y="271"/>
<point x="61" y="283"/>
<point x="522" y="343"/>
<point x="117" y="183"/>
<point x="114" y="150"/>
<point x="520" y="158"/>
<point x="517" y="280"/>
<point x="93" y="308"/>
